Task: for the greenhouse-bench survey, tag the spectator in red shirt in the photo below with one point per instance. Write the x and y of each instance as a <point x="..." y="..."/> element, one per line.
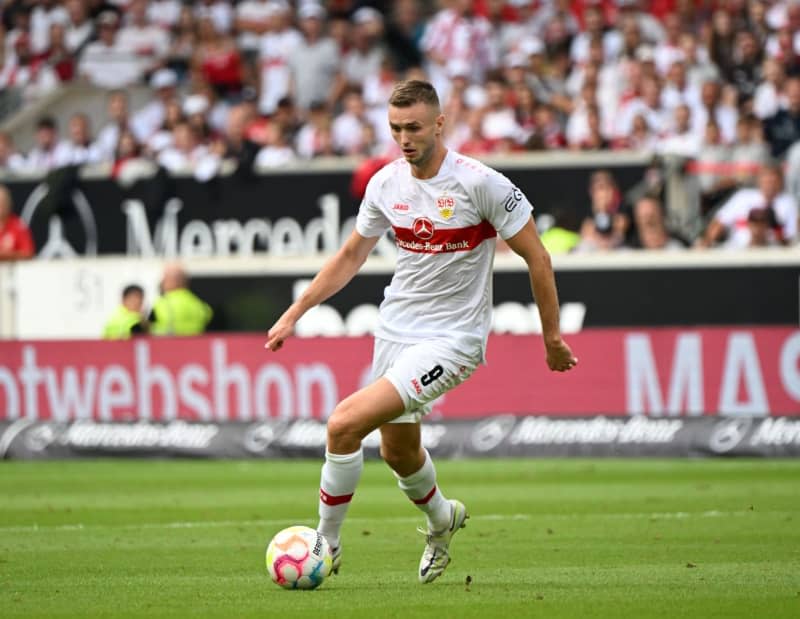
<point x="15" y="238"/>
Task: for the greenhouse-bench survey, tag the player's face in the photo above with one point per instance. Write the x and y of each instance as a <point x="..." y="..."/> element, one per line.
<point x="416" y="129"/>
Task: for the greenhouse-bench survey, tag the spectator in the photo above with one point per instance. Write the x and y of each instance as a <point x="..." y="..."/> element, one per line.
<point x="276" y="47"/>
<point x="10" y="160"/>
<point x="58" y="56"/>
<point x="32" y="76"/>
<point x="651" y="231"/>
<point x="594" y="29"/>
<point x="236" y="144"/>
<point x="750" y="152"/>
<point x="128" y="319"/>
<point x="164" y="137"/>
<point x="558" y="230"/>
<point x="366" y="54"/>
<point x="276" y="151"/>
<point x="678" y="90"/>
<point x="745" y="70"/>
<point x="769" y="96"/>
<point x="118" y="121"/>
<point x="108" y="62"/>
<point x="150" y="118"/>
<point x="647" y="105"/>
<point x="218" y="11"/>
<point x="730" y="223"/>
<point x="652" y="31"/>
<point x="44" y="15"/>
<point x="128" y="150"/>
<point x="186" y="152"/>
<point x="548" y="129"/>
<point x="783" y="128"/>
<point x="712" y="167"/>
<point x="78" y="148"/>
<point x="669" y="51"/>
<point x="760" y="225"/>
<point x="147" y="41"/>
<point x="254" y="18"/>
<point x="164" y="13"/>
<point x="41" y="157"/>
<point x="499" y="118"/>
<point x="79" y="26"/>
<point x="217" y="60"/>
<point x="315" y="137"/>
<point x="605" y="228"/>
<point x="347" y="127"/>
<point x="474" y="143"/>
<point x="712" y="108"/>
<point x="404" y="34"/>
<point x="178" y="311"/>
<point x="699" y="68"/>
<point x="680" y="140"/>
<point x="16" y="242"/>
<point x="183" y="42"/>
<point x="457" y="33"/>
<point x="314" y="64"/>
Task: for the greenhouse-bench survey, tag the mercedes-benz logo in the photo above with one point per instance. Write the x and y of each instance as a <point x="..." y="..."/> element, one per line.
<point x="57" y="245"/>
<point x="488" y="434"/>
<point x="423" y="228"/>
<point x="726" y="435"/>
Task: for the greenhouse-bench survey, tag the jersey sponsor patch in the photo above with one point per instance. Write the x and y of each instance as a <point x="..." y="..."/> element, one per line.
<point x="512" y="200"/>
<point x="424" y="238"/>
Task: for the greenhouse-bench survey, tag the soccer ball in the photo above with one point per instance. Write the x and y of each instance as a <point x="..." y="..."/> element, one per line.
<point x="299" y="558"/>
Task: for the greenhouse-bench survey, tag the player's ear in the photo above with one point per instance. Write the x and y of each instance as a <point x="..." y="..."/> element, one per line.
<point x="439" y="124"/>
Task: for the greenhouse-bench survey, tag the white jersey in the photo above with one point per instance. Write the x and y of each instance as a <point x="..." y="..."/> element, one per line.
<point x="445" y="229"/>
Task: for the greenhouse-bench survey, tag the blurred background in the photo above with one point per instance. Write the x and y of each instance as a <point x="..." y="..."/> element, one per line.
<point x="181" y="169"/>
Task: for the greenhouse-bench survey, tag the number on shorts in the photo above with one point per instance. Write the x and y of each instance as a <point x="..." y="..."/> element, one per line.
<point x="436" y="372"/>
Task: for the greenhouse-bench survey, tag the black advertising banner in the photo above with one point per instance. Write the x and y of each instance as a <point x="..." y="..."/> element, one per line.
<point x="757" y="295"/>
<point x="498" y="436"/>
<point x="285" y="213"/>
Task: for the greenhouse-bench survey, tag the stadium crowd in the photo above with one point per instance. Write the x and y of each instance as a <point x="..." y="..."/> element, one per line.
<point x="271" y="82"/>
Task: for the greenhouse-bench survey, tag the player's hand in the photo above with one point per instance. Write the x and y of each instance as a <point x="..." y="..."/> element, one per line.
<point x="559" y="356"/>
<point x="279" y="332"/>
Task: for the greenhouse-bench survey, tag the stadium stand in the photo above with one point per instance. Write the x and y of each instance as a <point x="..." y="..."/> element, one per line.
<point x="710" y="88"/>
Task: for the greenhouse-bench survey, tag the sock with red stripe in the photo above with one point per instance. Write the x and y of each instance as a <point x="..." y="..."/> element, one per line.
<point x="340" y="475"/>
<point x="421" y="488"/>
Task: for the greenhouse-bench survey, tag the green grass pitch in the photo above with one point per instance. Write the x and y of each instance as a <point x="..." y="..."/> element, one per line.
<point x="547" y="538"/>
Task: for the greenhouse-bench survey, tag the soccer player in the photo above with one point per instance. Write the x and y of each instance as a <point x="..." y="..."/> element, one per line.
<point x="445" y="210"/>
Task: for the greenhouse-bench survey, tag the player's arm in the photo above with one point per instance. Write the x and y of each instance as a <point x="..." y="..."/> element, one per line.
<point x="334" y="275"/>
<point x="527" y="244"/>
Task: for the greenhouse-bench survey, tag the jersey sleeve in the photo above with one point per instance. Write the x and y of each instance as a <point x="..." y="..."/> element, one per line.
<point x="503" y="205"/>
<point x="371" y="221"/>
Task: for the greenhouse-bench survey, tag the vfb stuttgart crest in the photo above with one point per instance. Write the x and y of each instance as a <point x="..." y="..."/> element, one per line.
<point x="446" y="205"/>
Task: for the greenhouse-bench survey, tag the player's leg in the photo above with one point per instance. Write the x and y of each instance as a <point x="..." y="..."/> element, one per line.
<point x="402" y="450"/>
<point x="412" y="465"/>
<point x="352" y="419"/>
<point x="421" y="373"/>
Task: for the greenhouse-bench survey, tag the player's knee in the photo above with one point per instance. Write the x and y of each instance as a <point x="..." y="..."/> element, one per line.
<point x="341" y="429"/>
<point x="397" y="456"/>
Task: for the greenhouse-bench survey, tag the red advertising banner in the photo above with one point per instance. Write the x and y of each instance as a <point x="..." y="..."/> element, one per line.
<point x="656" y="372"/>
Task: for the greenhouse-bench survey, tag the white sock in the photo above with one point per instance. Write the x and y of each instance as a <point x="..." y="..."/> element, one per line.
<point x="421" y="488"/>
<point x="340" y="475"/>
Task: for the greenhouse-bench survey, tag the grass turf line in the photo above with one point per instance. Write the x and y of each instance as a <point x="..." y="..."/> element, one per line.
<point x="549" y="538"/>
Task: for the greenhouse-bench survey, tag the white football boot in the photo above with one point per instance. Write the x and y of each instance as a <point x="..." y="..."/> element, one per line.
<point x="336" y="554"/>
<point x="436" y="556"/>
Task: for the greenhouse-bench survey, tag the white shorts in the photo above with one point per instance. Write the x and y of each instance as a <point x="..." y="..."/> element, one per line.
<point x="422" y="372"/>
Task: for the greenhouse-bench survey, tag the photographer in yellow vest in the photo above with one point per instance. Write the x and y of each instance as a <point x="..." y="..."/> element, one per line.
<point x="128" y="319"/>
<point x="178" y="311"/>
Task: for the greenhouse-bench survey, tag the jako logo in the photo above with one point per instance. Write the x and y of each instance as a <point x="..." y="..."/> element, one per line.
<point x="400" y="207"/>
